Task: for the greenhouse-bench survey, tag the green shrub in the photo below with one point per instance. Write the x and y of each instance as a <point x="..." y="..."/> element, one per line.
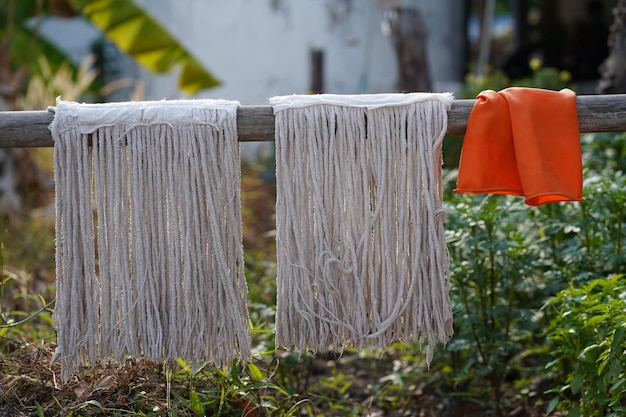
<point x="587" y="337"/>
<point x="507" y="260"/>
<point x="604" y="151"/>
<point x="585" y="240"/>
<point x="541" y="77"/>
<point x="498" y="275"/>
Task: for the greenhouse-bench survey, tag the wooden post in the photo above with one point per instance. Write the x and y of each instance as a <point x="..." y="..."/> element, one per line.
<point x="596" y="113"/>
<point x="408" y="32"/>
<point x="317" y="71"/>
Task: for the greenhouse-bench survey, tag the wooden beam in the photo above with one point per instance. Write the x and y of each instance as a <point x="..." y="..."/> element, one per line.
<point x="596" y="113"/>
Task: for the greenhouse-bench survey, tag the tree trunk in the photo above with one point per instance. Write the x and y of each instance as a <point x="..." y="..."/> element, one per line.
<point x="409" y="38"/>
<point x="613" y="69"/>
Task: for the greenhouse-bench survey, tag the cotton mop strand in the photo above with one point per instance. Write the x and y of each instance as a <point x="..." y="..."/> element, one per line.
<point x="163" y="276"/>
<point x="362" y="259"/>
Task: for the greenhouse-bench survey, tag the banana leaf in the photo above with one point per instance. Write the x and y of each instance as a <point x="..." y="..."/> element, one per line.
<point x="142" y="37"/>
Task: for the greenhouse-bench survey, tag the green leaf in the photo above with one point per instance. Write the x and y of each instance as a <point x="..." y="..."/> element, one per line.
<point x="234" y="374"/>
<point x="4" y="330"/>
<point x="617" y="384"/>
<point x="255" y="372"/>
<point x="583" y="354"/>
<point x="278" y="388"/>
<point x="39" y="409"/>
<point x="594" y="321"/>
<point x="618" y="338"/>
<point x="574" y="412"/>
<point x="195" y="403"/>
<point x="197" y="368"/>
<point x="576" y="383"/>
<point x="552" y="405"/>
<point x="194" y="77"/>
<point x="181" y="362"/>
<point x="142" y="37"/>
<point x="89" y="403"/>
<point x="615" y="369"/>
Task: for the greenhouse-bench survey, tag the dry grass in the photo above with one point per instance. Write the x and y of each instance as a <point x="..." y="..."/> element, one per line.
<point x="30" y="385"/>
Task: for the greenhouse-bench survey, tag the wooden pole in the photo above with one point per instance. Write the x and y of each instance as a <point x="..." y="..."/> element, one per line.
<point x="596" y="113"/>
<point x="317" y="71"/>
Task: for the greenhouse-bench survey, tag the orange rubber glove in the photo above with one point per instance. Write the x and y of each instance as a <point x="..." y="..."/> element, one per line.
<point x="523" y="141"/>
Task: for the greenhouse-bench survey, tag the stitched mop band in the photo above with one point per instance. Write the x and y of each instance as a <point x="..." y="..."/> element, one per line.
<point x="362" y="258"/>
<point x="164" y="275"/>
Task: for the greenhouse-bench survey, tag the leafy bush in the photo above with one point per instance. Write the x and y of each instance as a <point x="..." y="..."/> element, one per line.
<point x="604" y="151"/>
<point x="507" y="260"/>
<point x="541" y="77"/>
<point x="586" y="240"/>
<point x="587" y="337"/>
<point x="499" y="272"/>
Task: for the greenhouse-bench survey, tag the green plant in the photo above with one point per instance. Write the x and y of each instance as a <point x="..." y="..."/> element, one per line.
<point x="544" y="77"/>
<point x="604" y="151"/>
<point x="26" y="288"/>
<point x="507" y="260"/>
<point x="587" y="337"/>
<point x="496" y="79"/>
<point x="492" y="80"/>
<point x="496" y="285"/>
<point x="586" y="240"/>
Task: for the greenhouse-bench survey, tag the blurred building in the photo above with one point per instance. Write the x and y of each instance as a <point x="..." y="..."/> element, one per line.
<point x="261" y="48"/>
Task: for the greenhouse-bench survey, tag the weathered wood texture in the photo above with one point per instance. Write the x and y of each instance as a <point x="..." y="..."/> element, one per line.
<point x="596" y="113"/>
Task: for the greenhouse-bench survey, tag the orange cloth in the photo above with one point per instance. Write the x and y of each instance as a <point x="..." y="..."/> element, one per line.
<point x="523" y="141"/>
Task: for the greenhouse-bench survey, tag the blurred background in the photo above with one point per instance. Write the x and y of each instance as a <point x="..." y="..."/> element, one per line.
<point x="257" y="49"/>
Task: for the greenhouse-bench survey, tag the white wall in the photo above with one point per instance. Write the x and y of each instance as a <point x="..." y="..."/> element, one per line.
<point x="260" y="48"/>
<point x="444" y="24"/>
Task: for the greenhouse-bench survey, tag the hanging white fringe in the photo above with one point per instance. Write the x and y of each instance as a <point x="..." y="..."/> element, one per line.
<point x="164" y="275"/>
<point x="362" y="258"/>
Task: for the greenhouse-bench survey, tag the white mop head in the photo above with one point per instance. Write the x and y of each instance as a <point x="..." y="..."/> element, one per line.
<point x="158" y="184"/>
<point x="362" y="258"/>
